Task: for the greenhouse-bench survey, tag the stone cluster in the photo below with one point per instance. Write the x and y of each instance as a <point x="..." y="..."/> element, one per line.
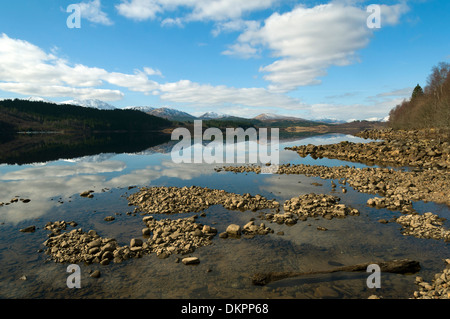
<point x="427" y="225"/>
<point x="172" y="200"/>
<point x="178" y="236"/>
<point x="439" y="288"/>
<point x="396" y="202"/>
<point x="78" y="246"/>
<point x="165" y="237"/>
<point x="310" y="205"/>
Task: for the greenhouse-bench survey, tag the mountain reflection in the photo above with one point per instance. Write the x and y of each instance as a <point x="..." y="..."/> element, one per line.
<point x="36" y="148"/>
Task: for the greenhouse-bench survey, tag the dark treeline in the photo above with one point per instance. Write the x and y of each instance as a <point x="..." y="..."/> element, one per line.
<point x="428" y="107"/>
<point x="22" y="115"/>
<point x="31" y="148"/>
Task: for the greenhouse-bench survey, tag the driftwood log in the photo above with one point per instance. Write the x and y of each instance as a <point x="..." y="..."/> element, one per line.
<point x="402" y="266"/>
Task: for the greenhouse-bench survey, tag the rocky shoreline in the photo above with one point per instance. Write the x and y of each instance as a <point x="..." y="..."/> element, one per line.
<point x="386" y="182"/>
<point x="399" y="148"/>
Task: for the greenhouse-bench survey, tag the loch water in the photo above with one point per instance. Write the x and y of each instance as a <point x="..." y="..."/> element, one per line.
<point x="53" y="181"/>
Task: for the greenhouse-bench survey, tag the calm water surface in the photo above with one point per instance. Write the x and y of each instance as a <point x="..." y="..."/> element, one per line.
<point x="227" y="265"/>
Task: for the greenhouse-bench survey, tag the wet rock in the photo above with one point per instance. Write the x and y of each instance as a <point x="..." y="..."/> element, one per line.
<point x="86" y="193"/>
<point x="136" y="242"/>
<point x="233" y="230"/>
<point x="29" y="229"/>
<point x="109" y="218"/>
<point x="250" y="229"/>
<point x="190" y="261"/>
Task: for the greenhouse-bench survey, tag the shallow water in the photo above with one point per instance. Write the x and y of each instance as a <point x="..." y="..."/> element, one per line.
<point x="227" y="265"/>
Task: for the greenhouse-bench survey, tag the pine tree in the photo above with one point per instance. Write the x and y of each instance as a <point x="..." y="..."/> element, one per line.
<point x="417" y="92"/>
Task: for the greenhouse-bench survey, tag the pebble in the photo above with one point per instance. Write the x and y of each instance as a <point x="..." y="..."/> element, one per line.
<point x="190" y="261"/>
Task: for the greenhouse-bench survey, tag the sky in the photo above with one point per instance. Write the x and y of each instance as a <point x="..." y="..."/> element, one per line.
<point x="342" y="59"/>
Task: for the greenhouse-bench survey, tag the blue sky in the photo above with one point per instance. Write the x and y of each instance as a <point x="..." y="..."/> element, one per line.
<point x="312" y="59"/>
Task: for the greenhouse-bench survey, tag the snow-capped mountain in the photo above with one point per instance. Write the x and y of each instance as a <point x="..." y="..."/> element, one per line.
<point x="372" y="119"/>
<point x="37" y="99"/>
<point x="97" y="104"/>
<point x="212" y="115"/>
<point x="140" y="108"/>
<point x="330" y="121"/>
<point x="31" y="99"/>
<point x="272" y="116"/>
<point x="171" y="114"/>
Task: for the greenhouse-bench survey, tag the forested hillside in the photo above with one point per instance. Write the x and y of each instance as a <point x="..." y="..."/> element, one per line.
<point x="22" y="115"/>
<point x="428" y="107"/>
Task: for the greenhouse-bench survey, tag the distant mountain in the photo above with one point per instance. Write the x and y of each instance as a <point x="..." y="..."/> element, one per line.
<point x="145" y="109"/>
<point x="212" y="116"/>
<point x="372" y="119"/>
<point x="171" y="114"/>
<point x="37" y="99"/>
<point x="330" y="121"/>
<point x="92" y="103"/>
<point x="272" y="116"/>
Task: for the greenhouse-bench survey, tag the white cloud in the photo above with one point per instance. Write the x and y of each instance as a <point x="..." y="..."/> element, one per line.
<point x="404" y="93"/>
<point x="35" y="89"/>
<point x="235" y="25"/>
<point x="307" y="41"/>
<point x="243" y="50"/>
<point x="220" y="10"/>
<point x="26" y="69"/>
<point x="150" y="71"/>
<point x="139" y="9"/>
<point x="172" y="22"/>
<point x="92" y="11"/>
<point x="377" y="109"/>
<point x="197" y="10"/>
<point x="390" y="15"/>
<point x="205" y="95"/>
